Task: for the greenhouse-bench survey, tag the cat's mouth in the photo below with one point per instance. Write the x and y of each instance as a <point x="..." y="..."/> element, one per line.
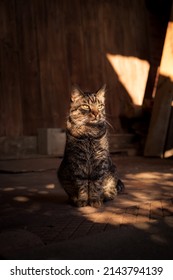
<point x="94" y="120"/>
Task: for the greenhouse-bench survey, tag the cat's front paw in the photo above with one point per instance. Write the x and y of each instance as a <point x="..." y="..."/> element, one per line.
<point x="96" y="203"/>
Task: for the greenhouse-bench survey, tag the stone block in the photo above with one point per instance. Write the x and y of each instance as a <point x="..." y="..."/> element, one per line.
<point x="51" y="141"/>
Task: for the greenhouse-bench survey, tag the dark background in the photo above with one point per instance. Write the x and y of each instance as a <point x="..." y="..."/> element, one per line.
<point x="46" y="46"/>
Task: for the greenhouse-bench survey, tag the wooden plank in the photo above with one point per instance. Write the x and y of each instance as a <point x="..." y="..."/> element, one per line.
<point x="29" y="69"/>
<point x="158" y="129"/>
<point x="168" y="149"/>
<point x="110" y="30"/>
<point x="74" y="43"/>
<point x="93" y="44"/>
<point x="10" y="95"/>
<point x="160" y="118"/>
<point x="54" y="79"/>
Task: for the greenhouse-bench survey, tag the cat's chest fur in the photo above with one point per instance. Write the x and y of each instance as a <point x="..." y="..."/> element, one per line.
<point x="88" y="148"/>
<point x="89" y="157"/>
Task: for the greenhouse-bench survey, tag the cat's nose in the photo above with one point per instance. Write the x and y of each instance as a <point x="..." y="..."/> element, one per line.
<point x="95" y="113"/>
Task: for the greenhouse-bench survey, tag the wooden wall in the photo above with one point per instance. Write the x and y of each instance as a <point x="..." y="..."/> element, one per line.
<point x="47" y="45"/>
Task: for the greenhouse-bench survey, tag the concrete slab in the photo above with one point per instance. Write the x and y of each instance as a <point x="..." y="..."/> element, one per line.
<point x="141" y="219"/>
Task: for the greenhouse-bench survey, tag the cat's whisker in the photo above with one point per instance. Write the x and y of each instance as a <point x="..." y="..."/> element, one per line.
<point x="110" y="125"/>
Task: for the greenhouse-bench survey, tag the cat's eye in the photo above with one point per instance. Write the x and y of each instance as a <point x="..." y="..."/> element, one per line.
<point x="85" y="107"/>
<point x="100" y="106"/>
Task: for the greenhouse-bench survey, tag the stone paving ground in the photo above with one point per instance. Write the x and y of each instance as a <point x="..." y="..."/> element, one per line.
<point x="36" y="221"/>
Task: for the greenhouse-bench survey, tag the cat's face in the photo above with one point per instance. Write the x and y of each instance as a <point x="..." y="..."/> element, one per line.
<point x="87" y="108"/>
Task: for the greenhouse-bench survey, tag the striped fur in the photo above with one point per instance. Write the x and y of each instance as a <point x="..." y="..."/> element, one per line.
<point x="87" y="173"/>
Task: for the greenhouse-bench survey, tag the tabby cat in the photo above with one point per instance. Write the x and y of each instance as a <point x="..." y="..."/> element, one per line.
<point x="87" y="173"/>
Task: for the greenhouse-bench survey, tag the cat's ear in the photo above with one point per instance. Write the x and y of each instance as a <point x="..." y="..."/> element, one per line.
<point x="76" y="93"/>
<point x="101" y="93"/>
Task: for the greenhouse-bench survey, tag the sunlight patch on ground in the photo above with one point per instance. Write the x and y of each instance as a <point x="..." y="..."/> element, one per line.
<point x="151" y="177"/>
<point x="50" y="186"/>
<point x="21" y="198"/>
<point x="43" y="192"/>
<point x="8" y="189"/>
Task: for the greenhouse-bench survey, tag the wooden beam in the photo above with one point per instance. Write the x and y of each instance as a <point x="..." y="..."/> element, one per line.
<point x="160" y="119"/>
